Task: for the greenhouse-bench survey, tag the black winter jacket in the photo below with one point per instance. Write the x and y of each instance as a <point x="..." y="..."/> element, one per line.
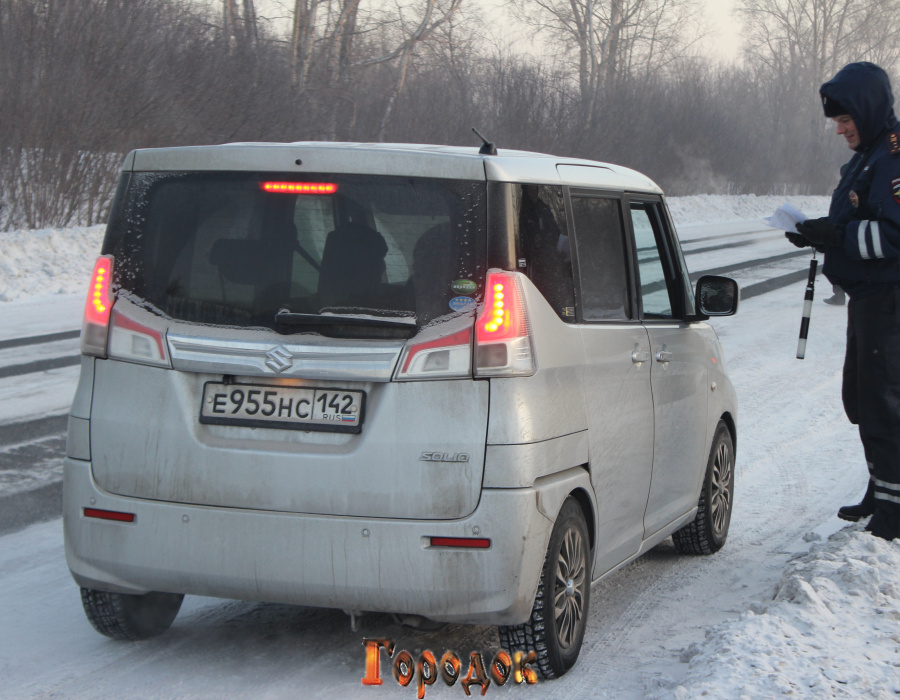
<point x="866" y="202"/>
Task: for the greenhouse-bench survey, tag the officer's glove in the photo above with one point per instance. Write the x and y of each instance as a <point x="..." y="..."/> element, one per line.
<point x="821" y="232"/>
<point x="797" y="239"/>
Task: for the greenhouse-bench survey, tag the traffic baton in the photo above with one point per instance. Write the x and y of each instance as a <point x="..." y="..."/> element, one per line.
<point x="807" y="308"/>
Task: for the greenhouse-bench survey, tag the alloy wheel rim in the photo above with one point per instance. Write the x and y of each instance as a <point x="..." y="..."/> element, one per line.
<point x="568" y="593"/>
<point x="720" y="496"/>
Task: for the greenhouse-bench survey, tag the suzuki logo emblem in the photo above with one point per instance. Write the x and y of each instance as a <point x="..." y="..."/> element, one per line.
<point x="279" y="359"/>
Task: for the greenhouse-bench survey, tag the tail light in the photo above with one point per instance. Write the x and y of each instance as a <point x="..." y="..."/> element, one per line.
<point x="135" y="342"/>
<point x="437" y="358"/>
<point x="97" y="308"/>
<point x="503" y="340"/>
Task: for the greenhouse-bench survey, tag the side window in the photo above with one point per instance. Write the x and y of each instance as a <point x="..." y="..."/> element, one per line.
<point x="658" y="290"/>
<point x="601" y="258"/>
<point x="544" y="240"/>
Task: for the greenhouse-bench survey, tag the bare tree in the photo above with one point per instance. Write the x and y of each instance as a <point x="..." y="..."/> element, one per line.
<point x="791" y="48"/>
<point x="237" y="26"/>
<point x="252" y="31"/>
<point x="303" y="36"/>
<point x="83" y="83"/>
<point x="229" y="18"/>
<point x="413" y="34"/>
<point x="327" y="58"/>
<point x="614" y="40"/>
<point x="813" y="39"/>
<point x="339" y="40"/>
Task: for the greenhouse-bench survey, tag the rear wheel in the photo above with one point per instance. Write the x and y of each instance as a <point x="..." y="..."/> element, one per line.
<point x="130" y="617"/>
<point x="556" y="627"/>
<point x="708" y="531"/>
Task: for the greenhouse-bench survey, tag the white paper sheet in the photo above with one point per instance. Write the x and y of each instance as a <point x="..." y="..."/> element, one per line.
<point x="786" y="217"/>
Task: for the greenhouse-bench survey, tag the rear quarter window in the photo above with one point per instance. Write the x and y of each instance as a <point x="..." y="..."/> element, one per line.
<point x="544" y="244"/>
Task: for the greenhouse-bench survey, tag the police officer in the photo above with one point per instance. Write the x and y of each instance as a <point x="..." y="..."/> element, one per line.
<point x="861" y="241"/>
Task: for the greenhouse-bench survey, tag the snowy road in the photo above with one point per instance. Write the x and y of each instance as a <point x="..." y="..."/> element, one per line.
<point x="797" y="461"/>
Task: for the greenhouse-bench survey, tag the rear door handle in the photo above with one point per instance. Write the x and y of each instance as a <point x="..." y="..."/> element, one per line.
<point x="639" y="356"/>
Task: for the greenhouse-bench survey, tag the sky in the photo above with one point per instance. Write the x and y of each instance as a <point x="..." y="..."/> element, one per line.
<point x="723" y="43"/>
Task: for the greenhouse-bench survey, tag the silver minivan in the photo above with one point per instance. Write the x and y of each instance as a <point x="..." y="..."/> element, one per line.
<point x="454" y="384"/>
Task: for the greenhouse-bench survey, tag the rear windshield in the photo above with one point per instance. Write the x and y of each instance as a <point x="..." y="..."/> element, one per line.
<point x="241" y="249"/>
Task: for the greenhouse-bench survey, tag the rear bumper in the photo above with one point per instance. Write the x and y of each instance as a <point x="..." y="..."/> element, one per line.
<point x="365" y="564"/>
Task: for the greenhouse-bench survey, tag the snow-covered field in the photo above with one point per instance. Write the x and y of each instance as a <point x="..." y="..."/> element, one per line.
<point x="797" y="604"/>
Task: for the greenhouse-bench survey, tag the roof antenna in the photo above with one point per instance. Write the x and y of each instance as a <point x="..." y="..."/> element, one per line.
<point x="487" y="148"/>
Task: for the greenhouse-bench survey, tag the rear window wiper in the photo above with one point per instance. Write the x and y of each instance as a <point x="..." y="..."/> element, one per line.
<point x="289" y="318"/>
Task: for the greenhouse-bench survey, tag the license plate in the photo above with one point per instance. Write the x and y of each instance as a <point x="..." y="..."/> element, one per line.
<point x="294" y="408"/>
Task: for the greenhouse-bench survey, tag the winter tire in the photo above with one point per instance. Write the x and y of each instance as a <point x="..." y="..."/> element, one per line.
<point x="556" y="627"/>
<point x="130" y="617"/>
<point x="707" y="533"/>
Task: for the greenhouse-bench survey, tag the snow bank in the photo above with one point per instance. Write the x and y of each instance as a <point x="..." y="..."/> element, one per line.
<point x="831" y="631"/>
<point x="711" y="208"/>
<point x="47" y="261"/>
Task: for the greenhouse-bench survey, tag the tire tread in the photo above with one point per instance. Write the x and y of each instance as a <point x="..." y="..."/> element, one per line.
<point x="532" y="634"/>
<point x="130" y="617"/>
<point x="697" y="536"/>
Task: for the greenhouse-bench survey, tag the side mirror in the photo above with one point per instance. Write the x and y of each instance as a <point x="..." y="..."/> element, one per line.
<point x="717" y="296"/>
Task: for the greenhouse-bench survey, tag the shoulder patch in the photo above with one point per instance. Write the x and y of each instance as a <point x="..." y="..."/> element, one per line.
<point x="893" y="141"/>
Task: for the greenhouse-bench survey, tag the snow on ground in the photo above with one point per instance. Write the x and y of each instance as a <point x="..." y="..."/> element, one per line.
<point x="830" y="627"/>
<point x="711" y="208"/>
<point x="48" y="261"/>
<point x="832" y="630"/>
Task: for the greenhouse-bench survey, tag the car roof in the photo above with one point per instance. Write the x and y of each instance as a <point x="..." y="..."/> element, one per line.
<point x="404" y="159"/>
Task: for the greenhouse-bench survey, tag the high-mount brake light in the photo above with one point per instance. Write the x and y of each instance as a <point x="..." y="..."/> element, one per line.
<point x="299" y="187"/>
<point x="97" y="308"/>
<point x="503" y="341"/>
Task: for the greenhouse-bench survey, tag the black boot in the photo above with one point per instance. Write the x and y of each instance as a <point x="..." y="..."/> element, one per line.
<point x="885" y="522"/>
<point x="863" y="509"/>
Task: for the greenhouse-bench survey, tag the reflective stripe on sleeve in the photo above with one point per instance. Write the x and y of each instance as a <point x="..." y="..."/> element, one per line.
<point x="876" y="239"/>
<point x="861" y="239"/>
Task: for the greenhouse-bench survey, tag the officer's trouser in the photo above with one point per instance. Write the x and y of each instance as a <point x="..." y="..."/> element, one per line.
<point x="871" y="390"/>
